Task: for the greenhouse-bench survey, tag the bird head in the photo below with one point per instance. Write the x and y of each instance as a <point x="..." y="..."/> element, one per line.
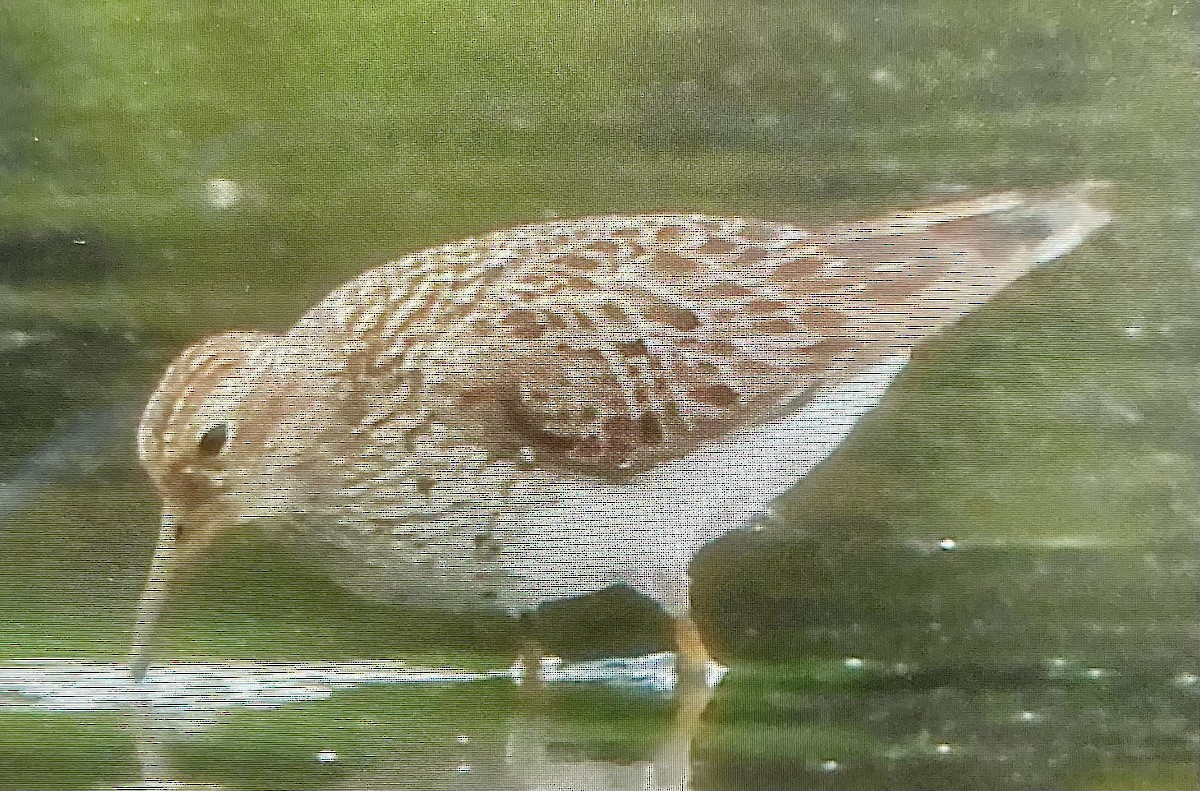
<point x="201" y="440"/>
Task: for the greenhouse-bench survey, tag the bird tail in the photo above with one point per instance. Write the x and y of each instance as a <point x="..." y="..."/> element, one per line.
<point x="915" y="272"/>
<point x="908" y="276"/>
<point x="1028" y="227"/>
<point x="1044" y="225"/>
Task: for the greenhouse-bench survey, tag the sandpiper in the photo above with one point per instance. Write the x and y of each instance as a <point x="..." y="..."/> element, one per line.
<point x="549" y="410"/>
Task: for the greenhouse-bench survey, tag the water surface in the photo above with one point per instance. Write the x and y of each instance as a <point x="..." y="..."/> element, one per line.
<point x="992" y="585"/>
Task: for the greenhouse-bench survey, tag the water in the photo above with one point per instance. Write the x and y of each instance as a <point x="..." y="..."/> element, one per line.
<point x="195" y="694"/>
<point x="992" y="585"/>
<point x="608" y="724"/>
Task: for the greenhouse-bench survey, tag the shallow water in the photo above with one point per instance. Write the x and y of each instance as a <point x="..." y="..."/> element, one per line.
<point x="993" y="584"/>
<point x="193" y="694"/>
<point x="607" y="724"/>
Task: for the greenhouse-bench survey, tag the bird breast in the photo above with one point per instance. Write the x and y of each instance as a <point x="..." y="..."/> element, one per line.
<point x="480" y="531"/>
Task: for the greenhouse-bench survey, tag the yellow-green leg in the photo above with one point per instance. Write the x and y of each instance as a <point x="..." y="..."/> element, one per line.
<point x="531" y="659"/>
<point x="691" y="656"/>
<point x="672" y="766"/>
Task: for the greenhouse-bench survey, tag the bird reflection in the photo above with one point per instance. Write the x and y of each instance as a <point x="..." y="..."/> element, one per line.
<point x="534" y="750"/>
<point x="532" y="762"/>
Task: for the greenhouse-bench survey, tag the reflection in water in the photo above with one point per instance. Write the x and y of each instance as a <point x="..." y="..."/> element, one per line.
<point x="524" y="749"/>
<point x="190" y="697"/>
<point x="834" y="725"/>
<point x="538" y="754"/>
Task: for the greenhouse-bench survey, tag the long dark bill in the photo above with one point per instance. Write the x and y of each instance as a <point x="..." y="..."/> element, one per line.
<point x="154" y="595"/>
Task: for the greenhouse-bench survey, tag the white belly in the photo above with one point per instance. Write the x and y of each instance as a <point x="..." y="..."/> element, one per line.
<point x="567" y="538"/>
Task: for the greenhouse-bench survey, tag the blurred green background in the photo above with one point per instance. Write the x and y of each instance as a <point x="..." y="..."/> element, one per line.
<point x="167" y="170"/>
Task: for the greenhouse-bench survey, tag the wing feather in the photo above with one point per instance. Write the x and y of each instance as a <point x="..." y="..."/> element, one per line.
<point x="611" y="344"/>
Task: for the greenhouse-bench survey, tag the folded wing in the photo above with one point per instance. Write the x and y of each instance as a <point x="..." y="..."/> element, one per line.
<point x="628" y="341"/>
<point x="610" y="344"/>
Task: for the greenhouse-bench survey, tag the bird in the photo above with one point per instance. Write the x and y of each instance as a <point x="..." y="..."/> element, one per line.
<point x="549" y="410"/>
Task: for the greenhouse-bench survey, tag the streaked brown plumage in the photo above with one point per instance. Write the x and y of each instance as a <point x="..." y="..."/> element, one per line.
<point x="496" y="421"/>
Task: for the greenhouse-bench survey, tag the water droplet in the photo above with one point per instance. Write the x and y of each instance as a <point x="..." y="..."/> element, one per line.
<point x="327" y="756"/>
<point x="853" y="663"/>
<point x="947" y="544"/>
<point x="829" y="767"/>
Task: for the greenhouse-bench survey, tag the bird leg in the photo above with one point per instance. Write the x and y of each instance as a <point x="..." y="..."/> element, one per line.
<point x="691" y="657"/>
<point x="529" y="652"/>
<point x="530" y="658"/>
<point x="691" y="673"/>
<point x="692" y="692"/>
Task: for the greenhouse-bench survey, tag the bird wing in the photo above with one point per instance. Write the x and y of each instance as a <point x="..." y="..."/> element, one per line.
<point x="611" y="344"/>
<point x="630" y="340"/>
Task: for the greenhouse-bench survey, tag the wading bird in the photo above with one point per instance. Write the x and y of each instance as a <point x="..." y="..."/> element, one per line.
<point x="546" y="411"/>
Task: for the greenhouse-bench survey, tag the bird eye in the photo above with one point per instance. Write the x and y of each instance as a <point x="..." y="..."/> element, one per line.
<point x="213" y="439"/>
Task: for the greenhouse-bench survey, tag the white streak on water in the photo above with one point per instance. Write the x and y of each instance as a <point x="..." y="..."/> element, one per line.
<point x="194" y="694"/>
